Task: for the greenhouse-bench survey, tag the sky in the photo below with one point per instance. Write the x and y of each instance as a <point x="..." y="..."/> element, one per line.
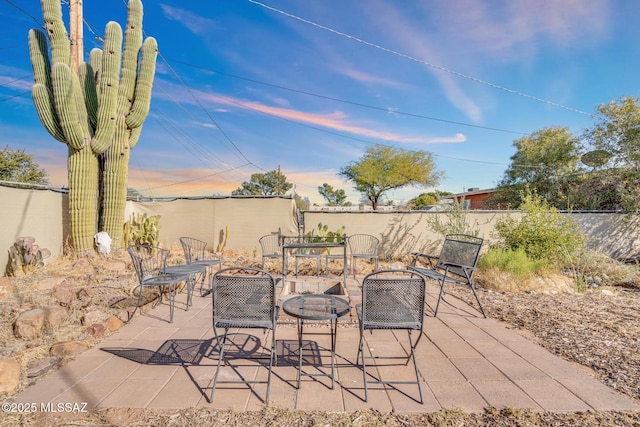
<point x="247" y="86"/>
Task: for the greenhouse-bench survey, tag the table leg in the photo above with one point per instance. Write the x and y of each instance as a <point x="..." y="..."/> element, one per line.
<point x="334" y="334"/>
<point x="300" y="326"/>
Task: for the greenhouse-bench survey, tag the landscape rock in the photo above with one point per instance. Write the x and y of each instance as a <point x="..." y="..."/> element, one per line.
<point x="9" y="376"/>
<point x="43" y="366"/>
<point x="48" y="283"/>
<point x="113" y="323"/>
<point x="6" y="287"/>
<point x="55" y="316"/>
<point x="96" y="331"/>
<point x="29" y="324"/>
<point x="64" y="293"/>
<point x="66" y="349"/>
<point x="91" y="317"/>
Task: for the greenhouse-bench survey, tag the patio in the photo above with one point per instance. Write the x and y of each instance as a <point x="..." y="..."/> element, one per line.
<point x="465" y="361"/>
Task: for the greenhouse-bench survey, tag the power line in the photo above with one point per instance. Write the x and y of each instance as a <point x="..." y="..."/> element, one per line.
<point x="429" y="64"/>
<point x="25" y="12"/>
<point x="14" y="96"/>
<point x="358" y="104"/>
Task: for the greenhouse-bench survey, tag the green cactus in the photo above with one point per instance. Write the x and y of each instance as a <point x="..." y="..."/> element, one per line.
<point x="222" y="239"/>
<point x="25" y="256"/>
<point x="97" y="111"/>
<point x="142" y="230"/>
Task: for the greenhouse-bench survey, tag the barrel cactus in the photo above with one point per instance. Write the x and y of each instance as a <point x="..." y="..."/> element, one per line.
<point x="97" y="111"/>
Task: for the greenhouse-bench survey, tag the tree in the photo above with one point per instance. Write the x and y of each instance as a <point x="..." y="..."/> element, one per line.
<point x="302" y="203"/>
<point x="427" y="199"/>
<point x="545" y="161"/>
<point x="333" y="197"/>
<point x="18" y="166"/>
<point x="384" y="168"/>
<point x="264" y="184"/>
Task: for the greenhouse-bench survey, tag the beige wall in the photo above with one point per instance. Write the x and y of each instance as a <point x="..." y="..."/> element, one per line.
<point x="42" y="214"/>
<point x="36" y="213"/>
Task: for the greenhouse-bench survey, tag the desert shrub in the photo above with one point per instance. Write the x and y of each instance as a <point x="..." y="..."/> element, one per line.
<point x="542" y="232"/>
<point x="514" y="261"/>
<point x="453" y="221"/>
<point x="592" y="269"/>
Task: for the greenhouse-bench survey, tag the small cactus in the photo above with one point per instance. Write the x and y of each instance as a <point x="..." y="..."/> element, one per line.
<point x="26" y="257"/>
<point x="222" y="239"/>
<point x="142" y="230"/>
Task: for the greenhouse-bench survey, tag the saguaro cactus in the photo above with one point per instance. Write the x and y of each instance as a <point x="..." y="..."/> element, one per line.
<point x="97" y="111"/>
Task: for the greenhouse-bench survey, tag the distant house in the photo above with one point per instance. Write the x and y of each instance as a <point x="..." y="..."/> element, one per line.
<point x="474" y="198"/>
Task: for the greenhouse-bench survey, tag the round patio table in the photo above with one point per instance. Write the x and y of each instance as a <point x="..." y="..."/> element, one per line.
<point x="193" y="270"/>
<point x="317" y="307"/>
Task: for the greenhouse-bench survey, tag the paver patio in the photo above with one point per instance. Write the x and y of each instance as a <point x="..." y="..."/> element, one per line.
<point x="465" y="361"/>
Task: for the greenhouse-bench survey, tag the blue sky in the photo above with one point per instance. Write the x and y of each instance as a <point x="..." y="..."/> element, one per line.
<point x="245" y="86"/>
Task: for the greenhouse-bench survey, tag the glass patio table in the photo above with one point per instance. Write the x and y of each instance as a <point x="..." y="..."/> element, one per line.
<point x="311" y="242"/>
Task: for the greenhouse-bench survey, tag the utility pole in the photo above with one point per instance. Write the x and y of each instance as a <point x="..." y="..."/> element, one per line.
<point x="75" y="29"/>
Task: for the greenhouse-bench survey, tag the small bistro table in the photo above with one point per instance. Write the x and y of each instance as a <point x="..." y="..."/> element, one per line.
<point x="310" y="242"/>
<point x="192" y="270"/>
<point x="317" y="307"/>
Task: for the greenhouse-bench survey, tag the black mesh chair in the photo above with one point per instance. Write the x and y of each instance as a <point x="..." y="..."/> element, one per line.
<point x="392" y="300"/>
<point x="149" y="263"/>
<point x="243" y="297"/>
<point x="195" y="253"/>
<point x="363" y="246"/>
<point x="271" y="247"/>
<point x="455" y="264"/>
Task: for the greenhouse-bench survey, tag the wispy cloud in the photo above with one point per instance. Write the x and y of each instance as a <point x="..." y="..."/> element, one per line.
<point x="194" y="23"/>
<point x="362" y="77"/>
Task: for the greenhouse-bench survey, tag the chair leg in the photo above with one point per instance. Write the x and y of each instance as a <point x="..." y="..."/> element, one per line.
<point x="272" y="361"/>
<point x="172" y="300"/>
<point x="364" y="367"/>
<point x="137" y="305"/>
<point x="220" y="357"/>
<point x="415" y="365"/>
<point x="439" y="297"/>
<point x="473" y="288"/>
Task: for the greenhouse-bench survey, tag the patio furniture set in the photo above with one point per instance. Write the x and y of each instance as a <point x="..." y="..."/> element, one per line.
<point x="245" y="297"/>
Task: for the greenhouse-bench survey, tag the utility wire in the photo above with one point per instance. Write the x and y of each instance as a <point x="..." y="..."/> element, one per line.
<point x="429" y="64"/>
<point x="358" y="104"/>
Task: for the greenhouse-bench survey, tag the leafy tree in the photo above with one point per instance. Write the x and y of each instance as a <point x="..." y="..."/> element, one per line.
<point x="427" y="199"/>
<point x="333" y="197"/>
<point x="264" y="184"/>
<point x="384" y="168"/>
<point x="18" y="166"/>
<point x="302" y="203"/>
<point x="545" y="161"/>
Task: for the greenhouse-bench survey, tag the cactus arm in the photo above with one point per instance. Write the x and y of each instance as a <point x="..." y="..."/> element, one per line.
<point x="88" y="85"/>
<point x="58" y="37"/>
<point x="132" y="45"/>
<point x="95" y="59"/>
<point x="108" y="88"/>
<point x="64" y="99"/>
<point x="46" y="111"/>
<point x="134" y="136"/>
<point x="144" y="84"/>
<point x="39" y="57"/>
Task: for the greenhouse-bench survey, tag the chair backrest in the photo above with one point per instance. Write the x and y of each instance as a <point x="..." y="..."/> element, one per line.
<point x="270" y="244"/>
<point x="193" y="249"/>
<point x="461" y="249"/>
<point x="244" y="297"/>
<point x="393" y="299"/>
<point x="363" y="244"/>
<point x="148" y="261"/>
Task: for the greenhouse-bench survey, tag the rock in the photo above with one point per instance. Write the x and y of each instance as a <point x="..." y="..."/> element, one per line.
<point x="96" y="331"/>
<point x="66" y="349"/>
<point x="607" y="292"/>
<point x="397" y="266"/>
<point x="48" y="283"/>
<point x="54" y="316"/>
<point x="9" y="376"/>
<point x="64" y="293"/>
<point x="113" y="323"/>
<point x="91" y="317"/>
<point x="6" y="287"/>
<point x="43" y="366"/>
<point x="29" y="324"/>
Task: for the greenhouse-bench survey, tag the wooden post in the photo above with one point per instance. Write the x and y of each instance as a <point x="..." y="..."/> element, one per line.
<point x="75" y="30"/>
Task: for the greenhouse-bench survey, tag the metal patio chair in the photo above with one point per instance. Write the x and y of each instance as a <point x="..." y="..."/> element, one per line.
<point x="195" y="253"/>
<point x="391" y="300"/>
<point x="149" y="263"/>
<point x="243" y="297"/>
<point x="455" y="264"/>
<point x="271" y="247"/>
<point x="363" y="246"/>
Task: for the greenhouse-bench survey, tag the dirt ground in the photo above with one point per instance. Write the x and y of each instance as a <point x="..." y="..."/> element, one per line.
<point x="598" y="329"/>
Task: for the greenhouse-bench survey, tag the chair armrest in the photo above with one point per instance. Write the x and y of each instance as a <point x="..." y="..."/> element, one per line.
<point x="466" y="268"/>
<point x="432" y="259"/>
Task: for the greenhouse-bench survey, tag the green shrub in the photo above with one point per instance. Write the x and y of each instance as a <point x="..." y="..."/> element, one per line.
<point x="542" y="232"/>
<point x="512" y="261"/>
<point x="455" y="221"/>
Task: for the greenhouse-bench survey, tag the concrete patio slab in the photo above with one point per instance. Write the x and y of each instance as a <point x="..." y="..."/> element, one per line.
<point x="465" y="362"/>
